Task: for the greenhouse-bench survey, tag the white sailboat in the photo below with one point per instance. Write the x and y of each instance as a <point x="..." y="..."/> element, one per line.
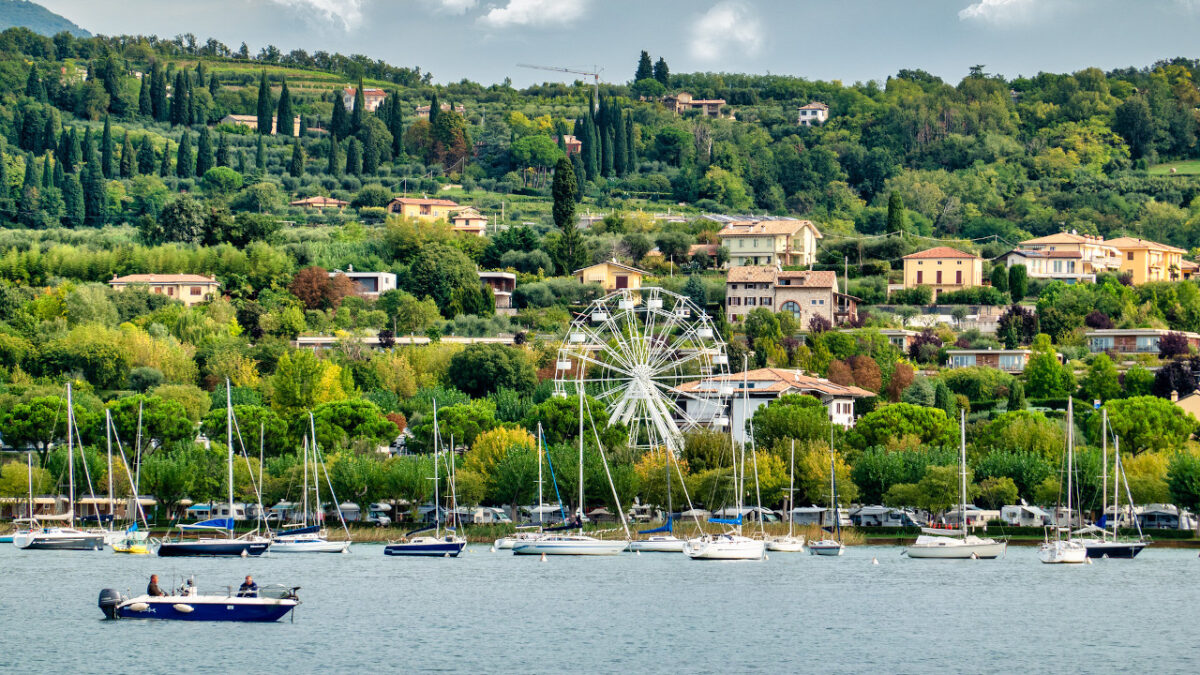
<point x="964" y="545"/>
<point x="302" y="537"/>
<point x="732" y="544"/>
<point x="1065" y="551"/>
<point x="577" y="544"/>
<point x="448" y="546"/>
<point x="789" y="543"/>
<point x="1102" y="543"/>
<point x="661" y="539"/>
<point x="61" y="538"/>
<point x="532" y="532"/>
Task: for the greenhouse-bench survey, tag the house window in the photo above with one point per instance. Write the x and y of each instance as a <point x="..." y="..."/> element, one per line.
<point x="622" y="281"/>
<point x="1012" y="362"/>
<point x="733" y="287"/>
<point x="734" y="302"/>
<point x="765" y="302"/>
<point x="196" y="290"/>
<point x="794" y="309"/>
<point x="426" y="209"/>
<point x="171" y="291"/>
<point x="1147" y="343"/>
<point x="1100" y="344"/>
<point x="962" y="360"/>
<point x="1129" y="255"/>
<point x="749" y="302"/>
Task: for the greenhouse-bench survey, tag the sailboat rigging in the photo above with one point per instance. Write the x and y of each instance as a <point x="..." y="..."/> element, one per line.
<point x="1070" y="550"/>
<point x="436" y="546"/>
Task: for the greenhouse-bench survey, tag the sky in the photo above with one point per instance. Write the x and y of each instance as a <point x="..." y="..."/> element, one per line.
<point x="845" y="40"/>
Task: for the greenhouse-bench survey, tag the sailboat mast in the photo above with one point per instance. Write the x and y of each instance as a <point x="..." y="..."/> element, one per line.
<point x="1070" y="460"/>
<point x="304" y="500"/>
<point x="1116" y="484"/>
<point x="962" y="451"/>
<point x="581" y="446"/>
<point x="539" y="451"/>
<point x="229" y="454"/>
<point x="70" y="457"/>
<point x="29" y="468"/>
<point x="112" y="508"/>
<point x="791" y="487"/>
<point x="740" y="487"/>
<point x="1104" y="464"/>
<point x="137" y="452"/>
<point x="437" y="515"/>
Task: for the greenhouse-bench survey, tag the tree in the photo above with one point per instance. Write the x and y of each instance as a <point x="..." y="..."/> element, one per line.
<point x="204" y="152"/>
<point x="74" y="212"/>
<point x="334" y="167"/>
<point x="896" y="219"/>
<point x="645" y="70"/>
<point x="296" y="164"/>
<point x="1146" y="423"/>
<point x="128" y="166"/>
<point x="1183" y="480"/>
<point x="354" y="163"/>
<point x="95" y="195"/>
<point x="339" y="126"/>
<point x="223" y="157"/>
<point x="1138" y="381"/>
<point x="302" y="381"/>
<point x="1101" y="381"/>
<point x="284" y="126"/>
<point x="311" y="286"/>
<point x="890" y="425"/>
<point x="1045" y="375"/>
<point x="994" y="493"/>
<point x="1173" y="344"/>
<point x="1016" y="397"/>
<point x="481" y="369"/>
<point x="159" y="107"/>
<point x="265" y="106"/>
<point x="793" y="416"/>
<point x="1134" y="122"/>
<point x="1000" y="278"/>
<point x="107" y="151"/>
<point x="161" y="420"/>
<point x="182" y="220"/>
<point x="1017" y="326"/>
<point x="340" y="423"/>
<point x="164" y="168"/>
<point x="662" y="73"/>
<point x="1018" y="282"/>
<point x="695" y="291"/>
<point x="359" y="110"/>
<point x="221" y="180"/>
<point x="185" y="165"/>
<point x="260" y="154"/>
<point x="944" y="399"/>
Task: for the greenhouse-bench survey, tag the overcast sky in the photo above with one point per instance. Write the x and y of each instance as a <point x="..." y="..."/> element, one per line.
<point x="848" y="40"/>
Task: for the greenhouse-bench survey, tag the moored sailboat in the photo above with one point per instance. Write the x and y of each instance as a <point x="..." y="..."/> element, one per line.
<point x="789" y="543"/>
<point x="436" y="546"/>
<point x="1106" y="544"/>
<point x="302" y="537"/>
<point x="831" y="547"/>
<point x="1060" y="551"/>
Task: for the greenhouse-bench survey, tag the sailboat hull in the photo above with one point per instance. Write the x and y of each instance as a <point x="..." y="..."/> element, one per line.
<point x="1124" y="550"/>
<point x="58" y="541"/>
<point x="950" y="548"/>
<point x="439" y="549"/>
<point x="666" y="544"/>
<point x="574" y="546"/>
<point x="214" y="548"/>
<point x="725" y="548"/>
<point x="786" y="544"/>
<point x="309" y="546"/>
<point x="1062" y="553"/>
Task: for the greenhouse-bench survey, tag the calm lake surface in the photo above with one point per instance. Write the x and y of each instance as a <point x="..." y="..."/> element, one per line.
<point x="493" y="612"/>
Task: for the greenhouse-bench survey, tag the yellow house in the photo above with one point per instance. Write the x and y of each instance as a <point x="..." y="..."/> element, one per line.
<point x="1146" y="260"/>
<point x="612" y="275"/>
<point x="1189" y="402"/>
<point x="943" y="269"/>
<point x="190" y="289"/>
<point x="777" y="242"/>
<point x="1095" y="254"/>
<point x="429" y="210"/>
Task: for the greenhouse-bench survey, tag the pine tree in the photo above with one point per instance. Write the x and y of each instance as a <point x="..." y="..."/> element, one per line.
<point x="435" y="109"/>
<point x="265" y="106"/>
<point x="644" y="69"/>
<point x="108" y="158"/>
<point x="128" y="166"/>
<point x="284" y="125"/>
<point x="630" y="146"/>
<point x="185" y="164"/>
<point x="260" y="155"/>
<point x="340" y="124"/>
<point x="204" y="152"/>
<point x="395" y="124"/>
<point x="159" y="108"/>
<point x="360" y="105"/>
<point x="620" y="154"/>
<point x="146" y="161"/>
<point x="354" y="157"/>
<point x="334" y="168"/>
<point x="95" y="195"/>
<point x="223" y="149"/>
<point x="296" y="165"/>
<point x="607" y="150"/>
<point x="72" y="195"/>
<point x="145" y="106"/>
<point x="662" y="73"/>
<point x="164" y="169"/>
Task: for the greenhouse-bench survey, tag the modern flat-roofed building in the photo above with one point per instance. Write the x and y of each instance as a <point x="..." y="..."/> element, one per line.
<point x="1133" y="340"/>
<point x="1008" y="360"/>
<point x="370" y="284"/>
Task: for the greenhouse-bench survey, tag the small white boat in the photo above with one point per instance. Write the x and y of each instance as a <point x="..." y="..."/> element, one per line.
<point x="956" y="548"/>
<point x="830" y="547"/>
<point x="659" y="543"/>
<point x="1062" y="551"/>
<point x="727" y="546"/>
<point x="569" y="544"/>
<point x="307" y="542"/>
<point x="506" y="543"/>
<point x="1059" y="551"/>
<point x="58" y="539"/>
<point x="786" y="544"/>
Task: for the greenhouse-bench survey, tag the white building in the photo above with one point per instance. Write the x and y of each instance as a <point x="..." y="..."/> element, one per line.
<point x="813" y="113"/>
<point x="370" y="284"/>
<point x="747" y="392"/>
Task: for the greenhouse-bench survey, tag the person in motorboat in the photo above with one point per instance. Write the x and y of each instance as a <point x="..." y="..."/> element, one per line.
<point x="248" y="589"/>
<point x="152" y="589"/>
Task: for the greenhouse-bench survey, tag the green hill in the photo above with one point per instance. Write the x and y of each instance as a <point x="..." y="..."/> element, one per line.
<point x="14" y="13"/>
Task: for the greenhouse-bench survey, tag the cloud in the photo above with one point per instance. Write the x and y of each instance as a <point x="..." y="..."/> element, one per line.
<point x="454" y="6"/>
<point x="348" y="13"/>
<point x="533" y="13"/>
<point x="999" y="12"/>
<point x="727" y="26"/>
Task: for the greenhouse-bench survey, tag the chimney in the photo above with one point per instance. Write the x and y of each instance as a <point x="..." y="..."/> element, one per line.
<point x="1174" y="396"/>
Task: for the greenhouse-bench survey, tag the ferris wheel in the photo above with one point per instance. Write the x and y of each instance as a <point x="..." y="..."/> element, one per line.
<point x="654" y="359"/>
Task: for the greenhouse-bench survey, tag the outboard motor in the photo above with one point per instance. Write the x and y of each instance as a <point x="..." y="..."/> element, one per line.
<point x="110" y="598"/>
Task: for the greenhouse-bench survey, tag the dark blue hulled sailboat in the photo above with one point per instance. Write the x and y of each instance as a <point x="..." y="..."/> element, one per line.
<point x="437" y="546"/>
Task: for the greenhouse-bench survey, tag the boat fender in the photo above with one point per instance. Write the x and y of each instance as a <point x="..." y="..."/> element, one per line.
<point x="139" y="606"/>
<point x="974" y="556"/>
<point x="185" y="609"/>
<point x="492" y="550"/>
<point x="766" y="557"/>
<point x="874" y="561"/>
<point x="1087" y="561"/>
<point x="244" y="554"/>
<point x="543" y="557"/>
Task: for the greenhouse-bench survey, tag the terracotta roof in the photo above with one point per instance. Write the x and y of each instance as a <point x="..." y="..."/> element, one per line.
<point x="1044" y="254"/>
<point x="1064" y="238"/>
<point x="1136" y="243"/>
<point x="940" y="252"/>
<point x="767" y="227"/>
<point x="367" y="91"/>
<point x="1188" y="265"/>
<point x="413" y="201"/>
<point x="808" y="279"/>
<point x="164" y="279"/>
<point x="710" y="249"/>
<point x="816" y="105"/>
<point x="614" y="263"/>
<point x="319" y="201"/>
<point x="781" y="381"/>
<point x="751" y="274"/>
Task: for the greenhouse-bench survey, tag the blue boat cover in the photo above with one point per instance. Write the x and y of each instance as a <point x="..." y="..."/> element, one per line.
<point x="726" y="521"/>
<point x="311" y="529"/>
<point x="210" y="524"/>
<point x="420" y="529"/>
<point x="132" y="527"/>
<point x="664" y="528"/>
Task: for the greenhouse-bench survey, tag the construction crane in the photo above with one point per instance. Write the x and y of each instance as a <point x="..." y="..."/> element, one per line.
<point x="595" y="75"/>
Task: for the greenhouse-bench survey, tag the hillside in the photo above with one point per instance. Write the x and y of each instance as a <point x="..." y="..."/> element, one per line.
<point x="22" y="13"/>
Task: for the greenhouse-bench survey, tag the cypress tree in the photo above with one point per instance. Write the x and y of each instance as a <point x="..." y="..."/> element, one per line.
<point x="607" y="150"/>
<point x="190" y="113"/>
<point x="28" y="213"/>
<point x="185" y="164"/>
<point x="89" y="148"/>
<point x="644" y="69"/>
<point x="620" y="154"/>
<point x="354" y="157"/>
<point x="360" y="104"/>
<point x="265" y="106"/>
<point x="204" y="152"/>
<point x="340" y="124"/>
<point x="577" y="167"/>
<point x="164" y="169"/>
<point x="112" y="85"/>
<point x="630" y="146"/>
<point x="296" y="165"/>
<point x="47" y="172"/>
<point x="334" y="168"/>
<point x="435" y="109"/>
<point x="572" y="253"/>
<point x="72" y="194"/>
<point x="662" y="73"/>
<point x="6" y="212"/>
<point x="128" y="165"/>
<point x="395" y="124"/>
<point x="223" y="150"/>
<point x="59" y="176"/>
<point x="260" y="155"/>
<point x="107" y="150"/>
<point x="64" y="150"/>
<point x="895" y="214"/>
<point x="49" y="142"/>
<point x="284" y="125"/>
<point x="146" y="161"/>
<point x="241" y="167"/>
<point x="588" y="148"/>
<point x="159" y="109"/>
<point x="75" y="163"/>
<point x="34" y="88"/>
<point x="145" y="108"/>
<point x="179" y="100"/>
<point x="95" y="195"/>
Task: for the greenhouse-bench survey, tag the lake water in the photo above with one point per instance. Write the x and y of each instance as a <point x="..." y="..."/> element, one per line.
<point x="494" y="612"/>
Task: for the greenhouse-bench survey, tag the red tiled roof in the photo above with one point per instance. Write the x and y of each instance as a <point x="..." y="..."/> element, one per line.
<point x="808" y="279"/>
<point x="413" y="201"/>
<point x="940" y="252"/>
<point x="751" y="273"/>
<point x="781" y="380"/>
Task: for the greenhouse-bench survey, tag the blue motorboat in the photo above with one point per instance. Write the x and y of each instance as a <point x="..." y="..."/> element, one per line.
<point x="435" y="547"/>
<point x="186" y="604"/>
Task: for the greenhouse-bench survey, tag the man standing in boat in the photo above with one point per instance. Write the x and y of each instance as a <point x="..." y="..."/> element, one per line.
<point x="248" y="589"/>
<point x="152" y="589"/>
